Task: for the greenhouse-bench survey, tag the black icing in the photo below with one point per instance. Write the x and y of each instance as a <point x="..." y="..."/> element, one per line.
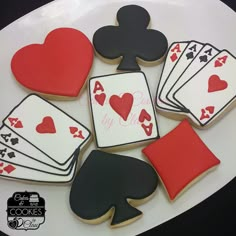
<point x="130" y="39"/>
<point x="106" y="181"/>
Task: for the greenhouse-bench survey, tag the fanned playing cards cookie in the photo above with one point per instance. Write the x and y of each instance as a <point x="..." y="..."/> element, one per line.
<point x="109" y="185"/>
<point x="57" y="68"/>
<point x="180" y="157"/>
<point x="39" y="142"/>
<point x="130" y="40"/>
<point x="122" y="110"/>
<point x="197" y="83"/>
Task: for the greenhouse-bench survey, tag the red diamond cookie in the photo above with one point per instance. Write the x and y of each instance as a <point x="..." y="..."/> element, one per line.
<point x="58" y="67"/>
<point x="179" y="158"/>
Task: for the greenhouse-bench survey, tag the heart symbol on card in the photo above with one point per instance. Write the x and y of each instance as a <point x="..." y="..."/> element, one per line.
<point x="59" y="66"/>
<point x="218" y="64"/>
<point x="211" y="109"/>
<point x="122" y="105"/>
<point x="100" y="98"/>
<point x="46" y="126"/>
<point x="216" y="84"/>
<point x="144" y="116"/>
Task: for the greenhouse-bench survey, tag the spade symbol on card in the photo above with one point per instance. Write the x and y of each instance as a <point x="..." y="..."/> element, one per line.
<point x="106" y="184"/>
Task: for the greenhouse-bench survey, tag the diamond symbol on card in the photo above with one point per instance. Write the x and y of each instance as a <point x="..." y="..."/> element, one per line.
<point x="173" y="57"/>
<point x="9" y="168"/>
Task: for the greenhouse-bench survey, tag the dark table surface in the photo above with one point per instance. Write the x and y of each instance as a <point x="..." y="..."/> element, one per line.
<point x="215" y="215"/>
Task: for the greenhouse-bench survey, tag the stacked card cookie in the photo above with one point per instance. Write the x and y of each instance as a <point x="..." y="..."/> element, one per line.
<point x="196" y="82"/>
<point x="39" y="142"/>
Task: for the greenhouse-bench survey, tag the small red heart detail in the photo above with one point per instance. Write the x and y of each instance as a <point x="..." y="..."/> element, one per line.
<point x="100" y="98"/>
<point x="122" y="105"/>
<point x="18" y="124"/>
<point x="210" y="109"/>
<point x="216" y="84"/>
<point x="46" y="126"/>
<point x="218" y="63"/>
<point x="144" y="116"/>
<point x="59" y="66"/>
<point x="73" y="129"/>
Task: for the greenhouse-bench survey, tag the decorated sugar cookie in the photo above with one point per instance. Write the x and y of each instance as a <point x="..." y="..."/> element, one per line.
<point x="130" y="41"/>
<point x="108" y="185"/>
<point x="122" y="110"/>
<point x="41" y="143"/>
<point x="57" y="68"/>
<point x="180" y="157"/>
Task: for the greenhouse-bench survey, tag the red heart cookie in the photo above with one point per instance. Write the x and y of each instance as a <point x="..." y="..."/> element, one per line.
<point x="59" y="66"/>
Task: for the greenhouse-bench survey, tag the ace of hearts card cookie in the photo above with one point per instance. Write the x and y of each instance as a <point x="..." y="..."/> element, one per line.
<point x="122" y="110"/>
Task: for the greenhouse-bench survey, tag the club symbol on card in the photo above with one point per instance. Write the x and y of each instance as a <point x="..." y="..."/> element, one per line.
<point x="206" y="112"/>
<point x="189" y="55"/>
<point x="46" y="126"/>
<point x="122" y="105"/>
<point x="11" y="154"/>
<point x="14" y="141"/>
<point x="15" y="122"/>
<point x="216" y="84"/>
<point x="145" y="116"/>
<point x="76" y="132"/>
<point x="203" y="58"/>
<point x="220" y="61"/>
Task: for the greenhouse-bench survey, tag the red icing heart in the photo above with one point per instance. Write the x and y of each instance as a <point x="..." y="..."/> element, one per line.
<point x="59" y="66"/>
<point x="122" y="105"/>
<point x="73" y="129"/>
<point x="216" y="84"/>
<point x="210" y="109"/>
<point x="100" y="98"/>
<point x="144" y="116"/>
<point x="46" y="126"/>
<point x="218" y="63"/>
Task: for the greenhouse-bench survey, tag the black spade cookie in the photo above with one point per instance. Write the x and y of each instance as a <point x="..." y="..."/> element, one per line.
<point x="130" y="39"/>
<point x="107" y="185"/>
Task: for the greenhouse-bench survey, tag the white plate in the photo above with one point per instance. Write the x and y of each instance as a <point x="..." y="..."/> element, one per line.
<point x="206" y="20"/>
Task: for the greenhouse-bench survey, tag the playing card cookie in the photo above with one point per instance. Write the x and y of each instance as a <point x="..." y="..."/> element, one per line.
<point x="180" y="157"/>
<point x="57" y="68"/>
<point x="130" y="42"/>
<point x="122" y="110"/>
<point x="200" y="88"/>
<point x="109" y="186"/>
<point x="39" y="142"/>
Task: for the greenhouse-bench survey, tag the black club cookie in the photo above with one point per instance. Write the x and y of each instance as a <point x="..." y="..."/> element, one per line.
<point x="130" y="40"/>
<point x="108" y="184"/>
